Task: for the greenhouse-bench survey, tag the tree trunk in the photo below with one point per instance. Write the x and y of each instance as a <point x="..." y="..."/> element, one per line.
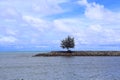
<point x="68" y="51"/>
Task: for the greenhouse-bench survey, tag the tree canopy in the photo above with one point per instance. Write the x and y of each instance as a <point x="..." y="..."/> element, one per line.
<point x="68" y="43"/>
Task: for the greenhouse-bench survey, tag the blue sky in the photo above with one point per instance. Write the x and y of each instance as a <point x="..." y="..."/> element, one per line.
<point x="41" y="24"/>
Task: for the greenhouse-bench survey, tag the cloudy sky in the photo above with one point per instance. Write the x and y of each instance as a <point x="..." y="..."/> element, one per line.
<point x="41" y="24"/>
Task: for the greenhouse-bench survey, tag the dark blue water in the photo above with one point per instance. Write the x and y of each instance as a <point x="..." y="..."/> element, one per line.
<point x="20" y="66"/>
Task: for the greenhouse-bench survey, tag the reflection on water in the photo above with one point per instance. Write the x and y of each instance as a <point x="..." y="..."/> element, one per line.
<point x="23" y="66"/>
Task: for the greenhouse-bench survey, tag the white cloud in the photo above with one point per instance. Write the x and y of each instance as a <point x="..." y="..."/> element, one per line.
<point x="95" y="11"/>
<point x="69" y="25"/>
<point x="88" y="33"/>
<point x="8" y="13"/>
<point x="96" y="28"/>
<point x="9" y="16"/>
<point x="11" y="32"/>
<point x="38" y="23"/>
<point x="101" y="25"/>
<point x="35" y="7"/>
<point x="48" y="7"/>
<point x="96" y="35"/>
<point x="7" y="39"/>
<point x="61" y="26"/>
<point x="99" y="12"/>
<point x="83" y="2"/>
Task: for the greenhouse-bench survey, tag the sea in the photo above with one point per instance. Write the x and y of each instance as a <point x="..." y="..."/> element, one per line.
<point x="23" y="66"/>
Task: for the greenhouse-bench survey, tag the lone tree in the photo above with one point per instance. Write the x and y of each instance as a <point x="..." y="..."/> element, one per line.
<point x="68" y="43"/>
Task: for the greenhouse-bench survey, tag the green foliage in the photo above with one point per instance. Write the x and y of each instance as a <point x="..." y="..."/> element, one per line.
<point x="68" y="43"/>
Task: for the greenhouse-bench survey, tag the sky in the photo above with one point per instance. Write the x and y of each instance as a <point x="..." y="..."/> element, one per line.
<point x="40" y="25"/>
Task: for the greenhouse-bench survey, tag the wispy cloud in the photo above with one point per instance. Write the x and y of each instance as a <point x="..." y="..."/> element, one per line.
<point x="7" y="39"/>
<point x="48" y="7"/>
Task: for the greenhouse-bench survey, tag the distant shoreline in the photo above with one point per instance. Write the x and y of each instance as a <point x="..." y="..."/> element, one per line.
<point x="79" y="53"/>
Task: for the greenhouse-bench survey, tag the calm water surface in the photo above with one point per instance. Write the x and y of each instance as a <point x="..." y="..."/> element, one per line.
<point x="24" y="66"/>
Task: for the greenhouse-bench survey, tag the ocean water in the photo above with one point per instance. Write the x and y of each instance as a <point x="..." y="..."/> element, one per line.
<point x="22" y="66"/>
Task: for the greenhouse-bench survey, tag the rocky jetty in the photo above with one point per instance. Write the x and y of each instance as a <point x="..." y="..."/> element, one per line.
<point x="80" y="53"/>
